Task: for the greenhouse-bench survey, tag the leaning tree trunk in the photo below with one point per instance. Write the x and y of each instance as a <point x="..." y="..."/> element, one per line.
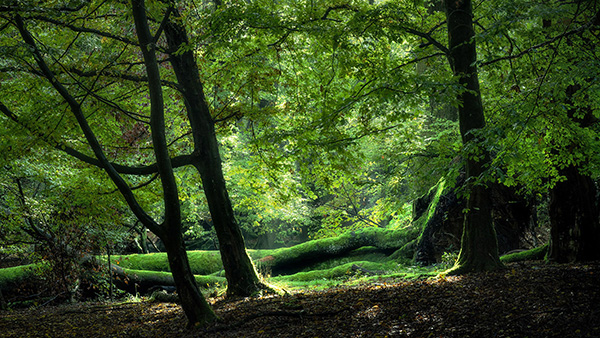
<point x="479" y="247"/>
<point x="242" y="278"/>
<point x="193" y="303"/>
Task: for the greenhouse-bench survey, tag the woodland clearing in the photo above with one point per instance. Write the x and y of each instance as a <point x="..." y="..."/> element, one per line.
<point x="531" y="299"/>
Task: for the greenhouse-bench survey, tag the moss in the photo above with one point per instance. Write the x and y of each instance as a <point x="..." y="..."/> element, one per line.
<point x="528" y="255"/>
<point x="9" y="277"/>
<point x="202" y="262"/>
<point x="437" y="191"/>
<point x="165" y="278"/>
<point x="370" y="254"/>
<point x="321" y="249"/>
<point x="344" y="270"/>
<point x="406" y="252"/>
<point x="208" y="262"/>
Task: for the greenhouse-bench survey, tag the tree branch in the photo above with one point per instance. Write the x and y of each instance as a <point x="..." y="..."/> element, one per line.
<point x="592" y="23"/>
<point x="84" y="29"/>
<point x="89" y="134"/>
<point x="177" y="161"/>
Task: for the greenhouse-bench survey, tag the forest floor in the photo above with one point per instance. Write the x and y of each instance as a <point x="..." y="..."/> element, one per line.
<point x="532" y="299"/>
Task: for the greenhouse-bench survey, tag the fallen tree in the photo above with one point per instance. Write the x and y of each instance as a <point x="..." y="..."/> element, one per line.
<point x="142" y="281"/>
<point x="290" y="260"/>
<point x="137" y="274"/>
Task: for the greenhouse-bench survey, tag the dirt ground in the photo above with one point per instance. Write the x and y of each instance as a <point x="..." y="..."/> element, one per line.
<point x="532" y="299"/>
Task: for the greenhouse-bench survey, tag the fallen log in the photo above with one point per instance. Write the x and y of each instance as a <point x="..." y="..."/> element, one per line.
<point x="294" y="259"/>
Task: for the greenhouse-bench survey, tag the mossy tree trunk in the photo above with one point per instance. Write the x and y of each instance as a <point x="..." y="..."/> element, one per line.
<point x="242" y="278"/>
<point x="294" y="259"/>
<point x="479" y="248"/>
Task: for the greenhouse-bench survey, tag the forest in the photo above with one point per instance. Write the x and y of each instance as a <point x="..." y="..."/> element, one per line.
<point x="344" y="168"/>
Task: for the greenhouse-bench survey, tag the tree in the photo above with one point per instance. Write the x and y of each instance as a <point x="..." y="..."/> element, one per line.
<point x="242" y="277"/>
<point x="479" y="246"/>
<point x="240" y="272"/>
<point x="574" y="212"/>
<point x="169" y="230"/>
<point x="546" y="125"/>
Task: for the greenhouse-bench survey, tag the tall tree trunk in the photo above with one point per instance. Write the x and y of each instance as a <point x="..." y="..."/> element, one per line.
<point x="574" y="214"/>
<point x="192" y="301"/>
<point x="196" y="308"/>
<point x="194" y="305"/>
<point x="242" y="278"/>
<point x="479" y="247"/>
<point x="575" y="232"/>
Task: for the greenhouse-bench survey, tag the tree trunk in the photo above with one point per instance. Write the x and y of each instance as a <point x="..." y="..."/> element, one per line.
<point x="574" y="214"/>
<point x="293" y="259"/>
<point x="479" y="247"/>
<point x="192" y="301"/>
<point x="3" y="305"/>
<point x="575" y="233"/>
<point x="170" y="231"/>
<point x="242" y="278"/>
<point x="194" y="305"/>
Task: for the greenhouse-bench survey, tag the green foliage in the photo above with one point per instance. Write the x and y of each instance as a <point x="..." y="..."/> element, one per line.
<point x="448" y="260"/>
<point x="333" y="116"/>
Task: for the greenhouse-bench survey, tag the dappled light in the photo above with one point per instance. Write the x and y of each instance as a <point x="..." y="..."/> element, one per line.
<point x="298" y="168"/>
<point x="533" y="300"/>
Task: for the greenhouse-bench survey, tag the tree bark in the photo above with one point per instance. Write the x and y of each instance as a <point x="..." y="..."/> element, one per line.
<point x="193" y="303"/>
<point x="575" y="232"/>
<point x="574" y="213"/>
<point x="242" y="278"/>
<point x="479" y="247"/>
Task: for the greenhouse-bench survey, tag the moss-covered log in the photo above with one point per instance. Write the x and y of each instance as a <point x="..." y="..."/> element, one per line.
<point x="202" y="262"/>
<point x="141" y="281"/>
<point x="538" y="253"/>
<point x="293" y="259"/>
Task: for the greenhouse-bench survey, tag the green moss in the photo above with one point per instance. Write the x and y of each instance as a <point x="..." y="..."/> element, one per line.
<point x="381" y="239"/>
<point x="437" y="190"/>
<point x="150" y="262"/>
<point x="202" y="262"/>
<point x="343" y="270"/>
<point x="529" y="255"/>
<point x="11" y="276"/>
<point x="370" y="254"/>
<point x="405" y="253"/>
<point x="345" y="275"/>
<point x="165" y="278"/>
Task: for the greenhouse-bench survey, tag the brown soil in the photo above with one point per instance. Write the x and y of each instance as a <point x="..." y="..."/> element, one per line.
<point x="526" y="300"/>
